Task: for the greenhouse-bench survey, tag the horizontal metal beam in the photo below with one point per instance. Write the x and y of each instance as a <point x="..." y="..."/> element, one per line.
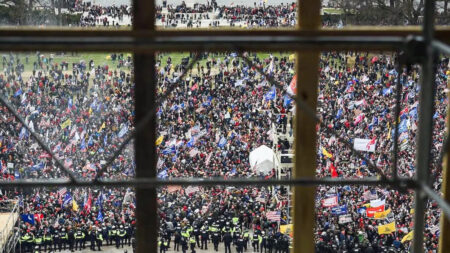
<point x="196" y="43"/>
<point x="442" y="32"/>
<point x="155" y="182"/>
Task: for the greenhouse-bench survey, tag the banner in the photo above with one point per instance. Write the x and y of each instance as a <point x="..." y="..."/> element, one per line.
<point x="286" y="229"/>
<point x="382" y="215"/>
<point x="345" y="219"/>
<point x="330" y="202"/>
<point x="377" y="202"/>
<point x="339" y="210"/>
<point x="370" y="212"/>
<point x="173" y="188"/>
<point x="365" y="144"/>
<point x="66" y="124"/>
<point x="408" y="237"/>
<point x="386" y="229"/>
<point x="191" y="189"/>
<point x="28" y="218"/>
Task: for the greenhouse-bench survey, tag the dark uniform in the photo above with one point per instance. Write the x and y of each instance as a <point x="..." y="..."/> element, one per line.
<point x="79" y="238"/>
<point x="255" y="242"/>
<point x="216" y="239"/>
<point x="177" y="240"/>
<point x="63" y="239"/>
<point x="227" y="239"/>
<point x="120" y="236"/>
<point x="240" y="245"/>
<point x="99" y="239"/>
<point x="205" y="237"/>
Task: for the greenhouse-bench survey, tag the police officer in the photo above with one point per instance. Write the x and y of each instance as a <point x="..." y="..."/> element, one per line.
<point x="92" y="235"/>
<point x="129" y="231"/>
<point x="240" y="244"/>
<point x="120" y="236"/>
<point x="56" y="239"/>
<point x="205" y="236"/>
<point x="192" y="242"/>
<point x="227" y="239"/>
<point x="63" y="239"/>
<point x="162" y="245"/>
<point x="38" y="241"/>
<point x="215" y="236"/>
<point x="26" y="241"/>
<point x="197" y="233"/>
<point x="79" y="238"/>
<point x="246" y="238"/>
<point x="255" y="241"/>
<point x="177" y="239"/>
<point x="48" y="239"/>
<point x="270" y="242"/>
<point x="262" y="242"/>
<point x="184" y="244"/>
<point x="99" y="239"/>
<point x="112" y="235"/>
<point x="236" y="233"/>
<point x="71" y="239"/>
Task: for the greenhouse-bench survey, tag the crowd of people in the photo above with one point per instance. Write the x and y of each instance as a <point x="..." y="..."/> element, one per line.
<point x="222" y="109"/>
<point x="213" y="15"/>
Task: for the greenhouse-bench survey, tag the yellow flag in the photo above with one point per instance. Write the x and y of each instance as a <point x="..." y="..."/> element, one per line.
<point x="159" y="140"/>
<point x="325" y="153"/>
<point x="66" y="124"/>
<point x="381" y="215"/>
<point x="408" y="237"/>
<point x="74" y="205"/>
<point x="286" y="229"/>
<point x="411" y="211"/>
<point x="90" y="111"/>
<point x="386" y="229"/>
<point x="101" y="127"/>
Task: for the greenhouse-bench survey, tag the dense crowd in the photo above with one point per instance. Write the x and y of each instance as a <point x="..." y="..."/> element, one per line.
<point x="214" y="15"/>
<point x="213" y="117"/>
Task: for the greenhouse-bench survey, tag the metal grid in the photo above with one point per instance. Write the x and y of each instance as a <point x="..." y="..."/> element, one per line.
<point x="144" y="41"/>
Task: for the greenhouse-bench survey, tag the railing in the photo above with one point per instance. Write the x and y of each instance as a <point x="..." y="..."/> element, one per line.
<point x="12" y="207"/>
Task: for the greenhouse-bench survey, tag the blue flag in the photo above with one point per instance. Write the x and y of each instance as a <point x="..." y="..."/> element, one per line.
<point x="191" y="142"/>
<point x="28" y="218"/>
<point x="287" y="101"/>
<point x="271" y="94"/>
<point x="222" y="142"/>
<point x="18" y="93"/>
<point x="100" y="216"/>
<point x="67" y="199"/>
<point x="339" y="114"/>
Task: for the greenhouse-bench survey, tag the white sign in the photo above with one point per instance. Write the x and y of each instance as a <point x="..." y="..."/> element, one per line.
<point x="365" y="144"/>
<point x="330" y="202"/>
<point x="346" y="218"/>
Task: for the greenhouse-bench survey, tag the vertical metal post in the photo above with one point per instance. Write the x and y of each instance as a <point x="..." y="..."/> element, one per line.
<point x="305" y="133"/>
<point x="424" y="138"/>
<point x="144" y="143"/>
<point x="444" y="243"/>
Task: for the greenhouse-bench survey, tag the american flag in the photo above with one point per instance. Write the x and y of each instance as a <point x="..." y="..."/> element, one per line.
<point x="191" y="189"/>
<point x="274" y="216"/>
<point x="261" y="198"/>
<point x="62" y="191"/>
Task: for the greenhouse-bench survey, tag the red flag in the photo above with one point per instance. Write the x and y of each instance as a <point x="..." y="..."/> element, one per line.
<point x="333" y="171"/>
<point x="88" y="204"/>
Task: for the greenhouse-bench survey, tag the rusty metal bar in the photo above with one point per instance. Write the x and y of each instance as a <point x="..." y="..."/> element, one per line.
<point x="305" y="133"/>
<point x="144" y="144"/>
<point x="151" y="182"/>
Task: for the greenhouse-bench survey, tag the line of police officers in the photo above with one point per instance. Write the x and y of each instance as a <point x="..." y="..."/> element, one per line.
<point x="49" y="238"/>
<point x="199" y="234"/>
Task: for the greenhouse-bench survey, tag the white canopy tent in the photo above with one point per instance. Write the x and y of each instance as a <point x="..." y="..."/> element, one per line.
<point x="261" y="160"/>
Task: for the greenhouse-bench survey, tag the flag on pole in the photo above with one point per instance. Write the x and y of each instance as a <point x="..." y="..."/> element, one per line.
<point x="274" y="216"/>
<point x="408" y="237"/>
<point x="387" y="229"/>
<point x="74" y="205"/>
<point x="326" y="153"/>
